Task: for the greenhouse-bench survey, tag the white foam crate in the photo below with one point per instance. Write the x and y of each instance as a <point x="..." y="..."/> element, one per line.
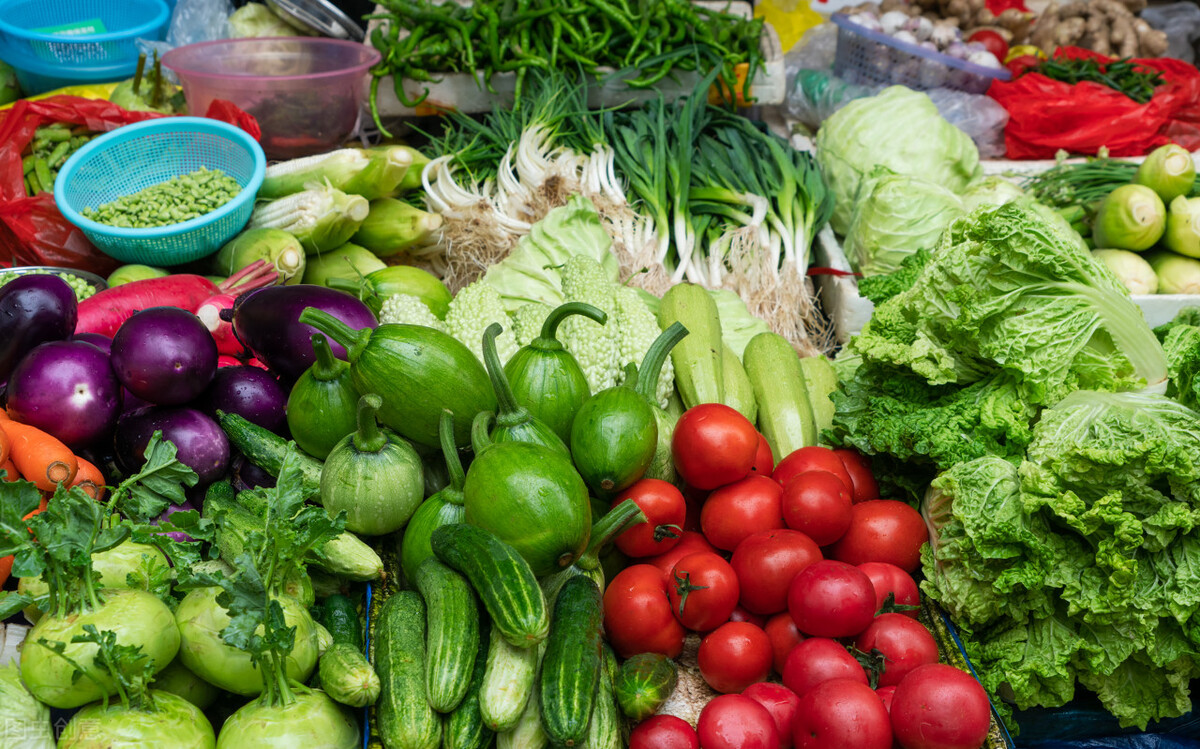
<point x="466" y="92"/>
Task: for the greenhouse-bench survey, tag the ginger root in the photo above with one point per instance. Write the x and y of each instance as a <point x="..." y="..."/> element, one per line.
<point x="1151" y="42"/>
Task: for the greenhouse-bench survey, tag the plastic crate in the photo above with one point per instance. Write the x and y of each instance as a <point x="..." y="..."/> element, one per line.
<point x="866" y="57"/>
<point x="55" y="43"/>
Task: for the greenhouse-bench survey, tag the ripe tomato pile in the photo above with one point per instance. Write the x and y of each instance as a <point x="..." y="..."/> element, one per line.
<point x="796" y="568"/>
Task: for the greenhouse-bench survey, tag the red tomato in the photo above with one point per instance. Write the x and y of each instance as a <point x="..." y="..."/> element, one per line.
<point x="732" y="721"/>
<point x="883" y="530"/>
<point x="764" y="459"/>
<point x="780" y="702"/>
<point x="887" y="694"/>
<point x="741" y="615"/>
<point x="664" y="732"/>
<point x="817" y="503"/>
<point x="740" y="509"/>
<point x="888" y="579"/>
<point x="840" y="714"/>
<point x="765" y="564"/>
<point x="713" y="445"/>
<point x="665" y="512"/>
<point x="734" y="656"/>
<point x="784" y="636"/>
<point x="992" y="40"/>
<point x="811" y="459"/>
<point x="816" y="660"/>
<point x="689" y="543"/>
<point x="904" y="642"/>
<point x="939" y="707"/>
<point x="703" y="591"/>
<point x="637" y="614"/>
<point x="863" y="485"/>
<point x="831" y="599"/>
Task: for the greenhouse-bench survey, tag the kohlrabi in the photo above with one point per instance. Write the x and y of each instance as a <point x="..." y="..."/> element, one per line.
<point x="1132" y="217"/>
<point x="1183" y="226"/>
<point x="1169" y="171"/>
<point x="1131" y="269"/>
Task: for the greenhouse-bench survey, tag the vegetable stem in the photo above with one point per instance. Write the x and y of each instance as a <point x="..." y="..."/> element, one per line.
<point x="450" y="454"/>
<point x="547" y="340"/>
<point x="508" y="410"/>
<point x="369" y="438"/>
<point x="656" y="356"/>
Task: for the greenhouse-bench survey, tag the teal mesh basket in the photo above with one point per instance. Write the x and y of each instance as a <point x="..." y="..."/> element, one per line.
<point x="137" y="156"/>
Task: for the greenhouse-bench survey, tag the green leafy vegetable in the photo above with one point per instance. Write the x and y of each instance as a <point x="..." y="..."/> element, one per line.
<point x="158" y="484"/>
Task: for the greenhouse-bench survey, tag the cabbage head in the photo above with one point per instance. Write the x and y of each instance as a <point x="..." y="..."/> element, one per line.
<point x="172" y="722"/>
<point x="24" y="722"/>
<point x="900" y="129"/>
<point x="990" y="192"/>
<point x="896" y="215"/>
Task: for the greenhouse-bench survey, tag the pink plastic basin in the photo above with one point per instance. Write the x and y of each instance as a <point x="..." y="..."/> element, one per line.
<point x="305" y="92"/>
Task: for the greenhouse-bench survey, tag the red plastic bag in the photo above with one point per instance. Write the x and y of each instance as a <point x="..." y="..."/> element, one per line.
<point x="32" y="230"/>
<point x="1047" y="115"/>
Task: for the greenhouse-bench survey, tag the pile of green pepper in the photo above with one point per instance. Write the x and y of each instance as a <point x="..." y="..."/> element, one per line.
<point x="177" y="200"/>
<point x="652" y="37"/>
<point x="47" y="152"/>
<point x="1138" y="82"/>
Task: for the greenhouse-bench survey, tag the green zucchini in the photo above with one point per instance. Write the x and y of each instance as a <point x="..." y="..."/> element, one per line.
<point x="529" y="733"/>
<point x="347" y="676"/>
<point x="698" y="360"/>
<point x="604" y="732"/>
<point x="417" y="371"/>
<point x="501" y="577"/>
<point x="321" y="406"/>
<point x="785" y="416"/>
<point x="403" y="716"/>
<point x="452" y="616"/>
<point x="571" y="668"/>
<point x="644" y="683"/>
<point x="464" y="727"/>
<point x="819" y="382"/>
<point x="739" y="393"/>
<point x="266" y="449"/>
<point x="508" y="682"/>
<point x="339" y="615"/>
<point x="514" y="422"/>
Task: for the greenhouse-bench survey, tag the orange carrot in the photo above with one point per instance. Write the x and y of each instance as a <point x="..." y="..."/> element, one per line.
<point x="89" y="478"/>
<point x="10" y="471"/>
<point x="6" y="563"/>
<point x="4" y="447"/>
<point x="39" y="457"/>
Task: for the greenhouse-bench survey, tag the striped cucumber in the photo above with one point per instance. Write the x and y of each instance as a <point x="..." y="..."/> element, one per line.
<point x="347" y="676"/>
<point x="464" y="727"/>
<point x="452" y="616"/>
<point x="403" y="716"/>
<point x="501" y="577"/>
<point x="698" y="360"/>
<point x="604" y="732"/>
<point x="508" y="681"/>
<point x="340" y="617"/>
<point x="572" y="664"/>
<point x="529" y="733"/>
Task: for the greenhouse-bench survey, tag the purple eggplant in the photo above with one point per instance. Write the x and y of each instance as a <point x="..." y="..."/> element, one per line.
<point x="267" y="321"/>
<point x="250" y="392"/>
<point x="34" y="309"/>
<point x="245" y="475"/>
<point x="102" y="342"/>
<point x="164" y="355"/>
<point x="199" y="442"/>
<point x="66" y="389"/>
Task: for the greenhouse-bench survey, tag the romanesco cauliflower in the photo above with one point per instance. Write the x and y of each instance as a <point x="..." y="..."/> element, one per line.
<point x="528" y="321"/>
<point x="637" y="327"/>
<point x="471" y="311"/>
<point x="408" y="310"/>
<point x="593" y="345"/>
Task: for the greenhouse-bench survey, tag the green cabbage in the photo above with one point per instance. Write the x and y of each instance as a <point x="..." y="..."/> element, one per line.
<point x="895" y="216"/>
<point x="900" y="129"/>
<point x="992" y="191"/>
<point x="256" y="19"/>
<point x="24" y="722"/>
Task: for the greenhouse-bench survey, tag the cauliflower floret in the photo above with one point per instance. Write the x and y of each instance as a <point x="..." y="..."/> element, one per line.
<point x="471" y="311"/>
<point x="593" y="345"/>
<point x="637" y="327"/>
<point x="528" y="321"/>
<point x="407" y="309"/>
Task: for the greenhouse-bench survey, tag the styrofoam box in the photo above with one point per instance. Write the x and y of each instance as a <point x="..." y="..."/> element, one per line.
<point x="466" y="91"/>
<point x="850" y="311"/>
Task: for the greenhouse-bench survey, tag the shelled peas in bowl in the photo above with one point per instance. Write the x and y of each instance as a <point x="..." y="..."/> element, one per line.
<point x="174" y="201"/>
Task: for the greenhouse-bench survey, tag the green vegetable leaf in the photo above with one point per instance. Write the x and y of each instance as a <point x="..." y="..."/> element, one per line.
<point x="879" y="289"/>
<point x="157" y="485"/>
<point x="131" y="669"/>
<point x="18" y="499"/>
<point x="11" y="603"/>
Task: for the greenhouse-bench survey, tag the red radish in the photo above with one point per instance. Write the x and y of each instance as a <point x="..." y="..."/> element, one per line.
<point x="105" y="311"/>
<point x="209" y="313"/>
<point x="256" y="363"/>
<point x="224" y="360"/>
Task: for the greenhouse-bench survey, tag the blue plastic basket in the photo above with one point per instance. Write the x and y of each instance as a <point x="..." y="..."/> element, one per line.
<point x="135" y="157"/>
<point x="54" y="43"/>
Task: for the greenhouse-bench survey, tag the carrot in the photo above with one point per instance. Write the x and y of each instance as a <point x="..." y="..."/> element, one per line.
<point x="10" y="471"/>
<point x="105" y="311"/>
<point x="6" y="563"/>
<point x="39" y="457"/>
<point x="4" y="446"/>
<point x="90" y="479"/>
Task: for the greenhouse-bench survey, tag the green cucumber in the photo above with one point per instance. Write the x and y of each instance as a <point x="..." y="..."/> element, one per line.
<point x="698" y="360"/>
<point x="339" y="615"/>
<point x="644" y="683"/>
<point x="514" y="422"/>
<point x="417" y="371"/>
<point x="785" y="416"/>
<point x="321" y="406"/>
<point x="739" y="393"/>
<point x="346" y="676"/>
<point x="266" y="449"/>
<point x="529" y="733"/>
<point x="403" y="716"/>
<point x="452" y="616"/>
<point x="604" y="732"/>
<point x="443" y="508"/>
<point x="508" y="682"/>
<point x="324" y="638"/>
<point x="614" y="437"/>
<point x="501" y="577"/>
<point x="571" y="668"/>
<point x="464" y="727"/>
